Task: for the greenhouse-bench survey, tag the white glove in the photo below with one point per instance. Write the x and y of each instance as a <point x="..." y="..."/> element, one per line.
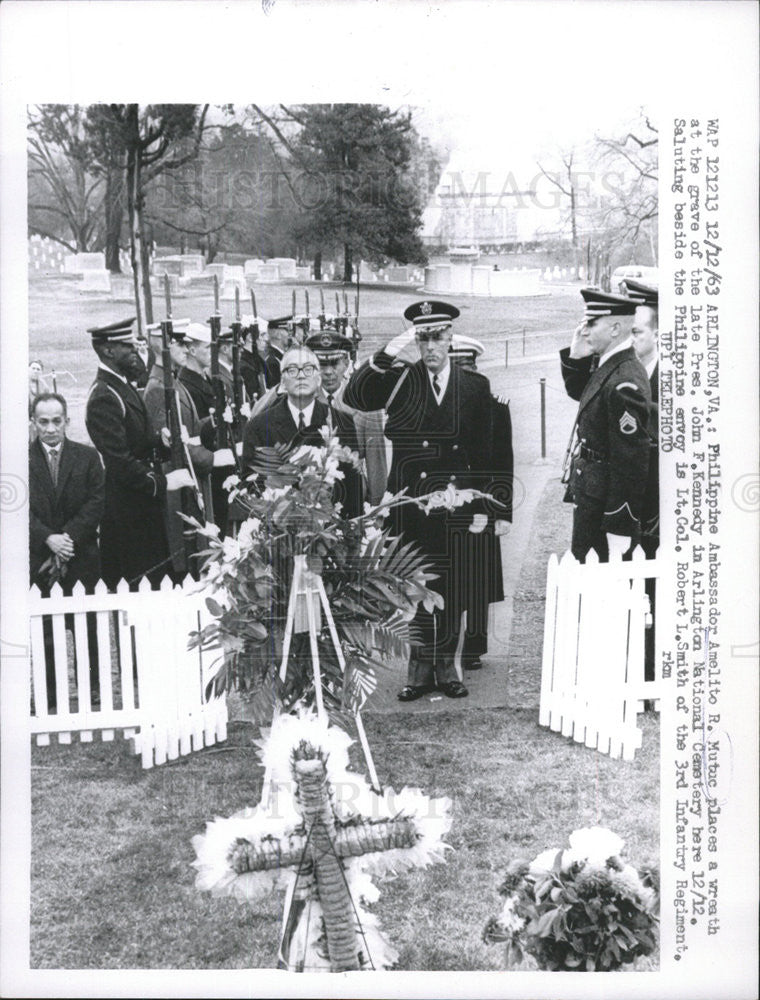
<point x="403" y="347"/>
<point x="618" y="544"/>
<point x="479" y="521"/>
<point x="223" y="457"/>
<point x="238" y="447"/>
<point x="177" y="479"/>
<point x="193" y="441"/>
<point x="501" y="527"/>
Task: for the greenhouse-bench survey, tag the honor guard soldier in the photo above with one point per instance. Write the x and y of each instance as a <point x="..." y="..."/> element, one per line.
<point x="278" y="339"/>
<point x="133" y="540"/>
<point x="439" y="419"/>
<point x="252" y="367"/>
<point x="645" y="343"/>
<point x="610" y="465"/>
<point x="199" y="436"/>
<point x="192" y="374"/>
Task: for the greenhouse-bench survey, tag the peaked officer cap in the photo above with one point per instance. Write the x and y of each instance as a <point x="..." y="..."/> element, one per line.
<point x="430" y="313"/>
<point x="642" y="295"/>
<point x="113" y="333"/>
<point x="599" y="303"/>
<point x="199" y="333"/>
<point x="465" y="347"/>
<point x="328" y="342"/>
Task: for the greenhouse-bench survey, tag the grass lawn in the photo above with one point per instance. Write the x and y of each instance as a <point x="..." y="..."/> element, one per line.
<point x="112" y="883"/>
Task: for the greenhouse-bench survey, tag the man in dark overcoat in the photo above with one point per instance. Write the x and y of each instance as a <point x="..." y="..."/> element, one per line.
<point x="278" y="339"/>
<point x="610" y="467"/>
<point x="133" y="539"/>
<point x="439" y="420"/>
<point x="252" y="367"/>
<point x="66" y="501"/>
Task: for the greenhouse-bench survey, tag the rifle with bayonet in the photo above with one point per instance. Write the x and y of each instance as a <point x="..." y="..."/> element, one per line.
<point x="322" y="314"/>
<point x="261" y="381"/>
<point x="237" y="382"/>
<point x="220" y="399"/>
<point x="179" y="456"/>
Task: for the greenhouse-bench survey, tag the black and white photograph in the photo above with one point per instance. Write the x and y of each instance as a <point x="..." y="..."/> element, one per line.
<point x="379" y="566"/>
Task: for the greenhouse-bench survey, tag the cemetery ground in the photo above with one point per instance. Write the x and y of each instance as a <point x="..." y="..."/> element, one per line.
<point x="112" y="882"/>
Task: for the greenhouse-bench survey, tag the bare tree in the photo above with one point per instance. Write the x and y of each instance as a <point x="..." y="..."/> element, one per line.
<point x="566" y="183"/>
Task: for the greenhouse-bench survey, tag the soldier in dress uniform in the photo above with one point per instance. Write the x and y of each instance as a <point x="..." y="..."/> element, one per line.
<point x="193" y="373"/>
<point x="611" y="465"/>
<point x="645" y="334"/>
<point x="252" y="367"/>
<point x="133" y="540"/>
<point x="278" y="339"/>
<point x="439" y="419"/>
<point x="483" y="581"/>
<point x="199" y="434"/>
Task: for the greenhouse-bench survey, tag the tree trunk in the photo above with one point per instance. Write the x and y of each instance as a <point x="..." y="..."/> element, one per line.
<point x="114" y="210"/>
<point x="348" y="270"/>
<point x="318" y="265"/>
<point x="138" y="251"/>
<point x="573" y="222"/>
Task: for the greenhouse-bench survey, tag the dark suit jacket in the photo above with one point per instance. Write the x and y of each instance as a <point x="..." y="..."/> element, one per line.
<point x="74" y="506"/>
<point x="133" y="538"/>
<point x="253" y="372"/>
<point x="275" y="425"/>
<point x="650" y="520"/>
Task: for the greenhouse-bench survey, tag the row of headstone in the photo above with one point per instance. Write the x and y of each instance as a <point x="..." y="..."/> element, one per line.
<point x="464" y="278"/>
<point x="557" y="273"/>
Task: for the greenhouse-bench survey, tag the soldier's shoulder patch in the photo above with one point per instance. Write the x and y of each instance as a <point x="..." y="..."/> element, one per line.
<point x="628" y="385"/>
<point x="628" y="423"/>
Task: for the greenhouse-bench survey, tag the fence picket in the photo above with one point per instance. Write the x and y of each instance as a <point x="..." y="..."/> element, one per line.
<point x="592" y="673"/>
<point x="158" y="699"/>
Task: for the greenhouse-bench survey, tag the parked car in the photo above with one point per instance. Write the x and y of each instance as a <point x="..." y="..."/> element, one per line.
<point x="640" y="272"/>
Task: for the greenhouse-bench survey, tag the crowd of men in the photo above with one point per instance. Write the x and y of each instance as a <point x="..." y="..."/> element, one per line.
<point x="418" y="414"/>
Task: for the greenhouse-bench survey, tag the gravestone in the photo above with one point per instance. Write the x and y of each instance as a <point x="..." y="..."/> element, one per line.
<point x="95" y="281"/>
<point x="269" y="271"/>
<point x="286" y="265"/>
<point x="252" y="266"/>
<point x="398" y="273"/>
<point x="227" y="293"/>
<point x="192" y="263"/>
<point x="220" y="270"/>
<point x="303" y="274"/>
<point x="461" y="277"/>
<point x="78" y="263"/>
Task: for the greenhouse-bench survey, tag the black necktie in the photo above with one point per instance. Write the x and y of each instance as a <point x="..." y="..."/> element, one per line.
<point x="53" y="458"/>
<point x="329" y="399"/>
<point x="594" y="363"/>
<point x="436" y="387"/>
<point x="301" y="421"/>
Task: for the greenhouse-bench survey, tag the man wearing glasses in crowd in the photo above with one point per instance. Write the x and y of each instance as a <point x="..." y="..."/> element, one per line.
<point x="439" y="421"/>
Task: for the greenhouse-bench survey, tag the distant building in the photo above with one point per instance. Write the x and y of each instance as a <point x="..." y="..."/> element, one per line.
<point x="487" y="209"/>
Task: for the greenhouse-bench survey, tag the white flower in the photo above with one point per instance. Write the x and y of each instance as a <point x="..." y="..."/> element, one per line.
<point x="270" y="494"/>
<point x="592" y="845"/>
<point x="227" y="415"/>
<point x="248" y="533"/>
<point x="230" y="550"/>
<point x="245" y="409"/>
<point x="544" y="862"/>
<point x="231" y="482"/>
<point x="509" y="918"/>
<point x="209" y="530"/>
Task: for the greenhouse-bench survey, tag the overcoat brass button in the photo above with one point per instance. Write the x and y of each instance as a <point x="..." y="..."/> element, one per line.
<point x="452" y="479"/>
<point x="424" y="444"/>
<point x="423" y="475"/>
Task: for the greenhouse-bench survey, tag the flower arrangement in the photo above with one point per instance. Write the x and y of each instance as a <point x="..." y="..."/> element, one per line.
<point x="580" y="909"/>
<point x="356" y="835"/>
<point x="372" y="580"/>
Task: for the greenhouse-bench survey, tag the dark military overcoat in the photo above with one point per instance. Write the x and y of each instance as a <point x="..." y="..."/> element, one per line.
<point x="434" y="446"/>
<point x="610" y="469"/>
<point x="132" y="533"/>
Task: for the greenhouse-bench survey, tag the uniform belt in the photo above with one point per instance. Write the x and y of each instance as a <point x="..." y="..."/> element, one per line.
<point x="591" y="455"/>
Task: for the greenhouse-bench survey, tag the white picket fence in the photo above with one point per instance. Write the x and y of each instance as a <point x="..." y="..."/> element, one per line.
<point x="151" y="685"/>
<point x="592" y="676"/>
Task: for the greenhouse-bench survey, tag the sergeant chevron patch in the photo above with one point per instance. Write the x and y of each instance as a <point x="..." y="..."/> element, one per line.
<point x="628" y="423"/>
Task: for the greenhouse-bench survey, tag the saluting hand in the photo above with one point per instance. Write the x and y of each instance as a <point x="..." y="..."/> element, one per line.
<point x="403" y="347"/>
<point x="579" y="345"/>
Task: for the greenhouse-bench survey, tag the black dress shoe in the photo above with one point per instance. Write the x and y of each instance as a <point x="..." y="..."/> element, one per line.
<point x="474" y="664"/>
<point x="412" y="692"/>
<point x="453" y="689"/>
